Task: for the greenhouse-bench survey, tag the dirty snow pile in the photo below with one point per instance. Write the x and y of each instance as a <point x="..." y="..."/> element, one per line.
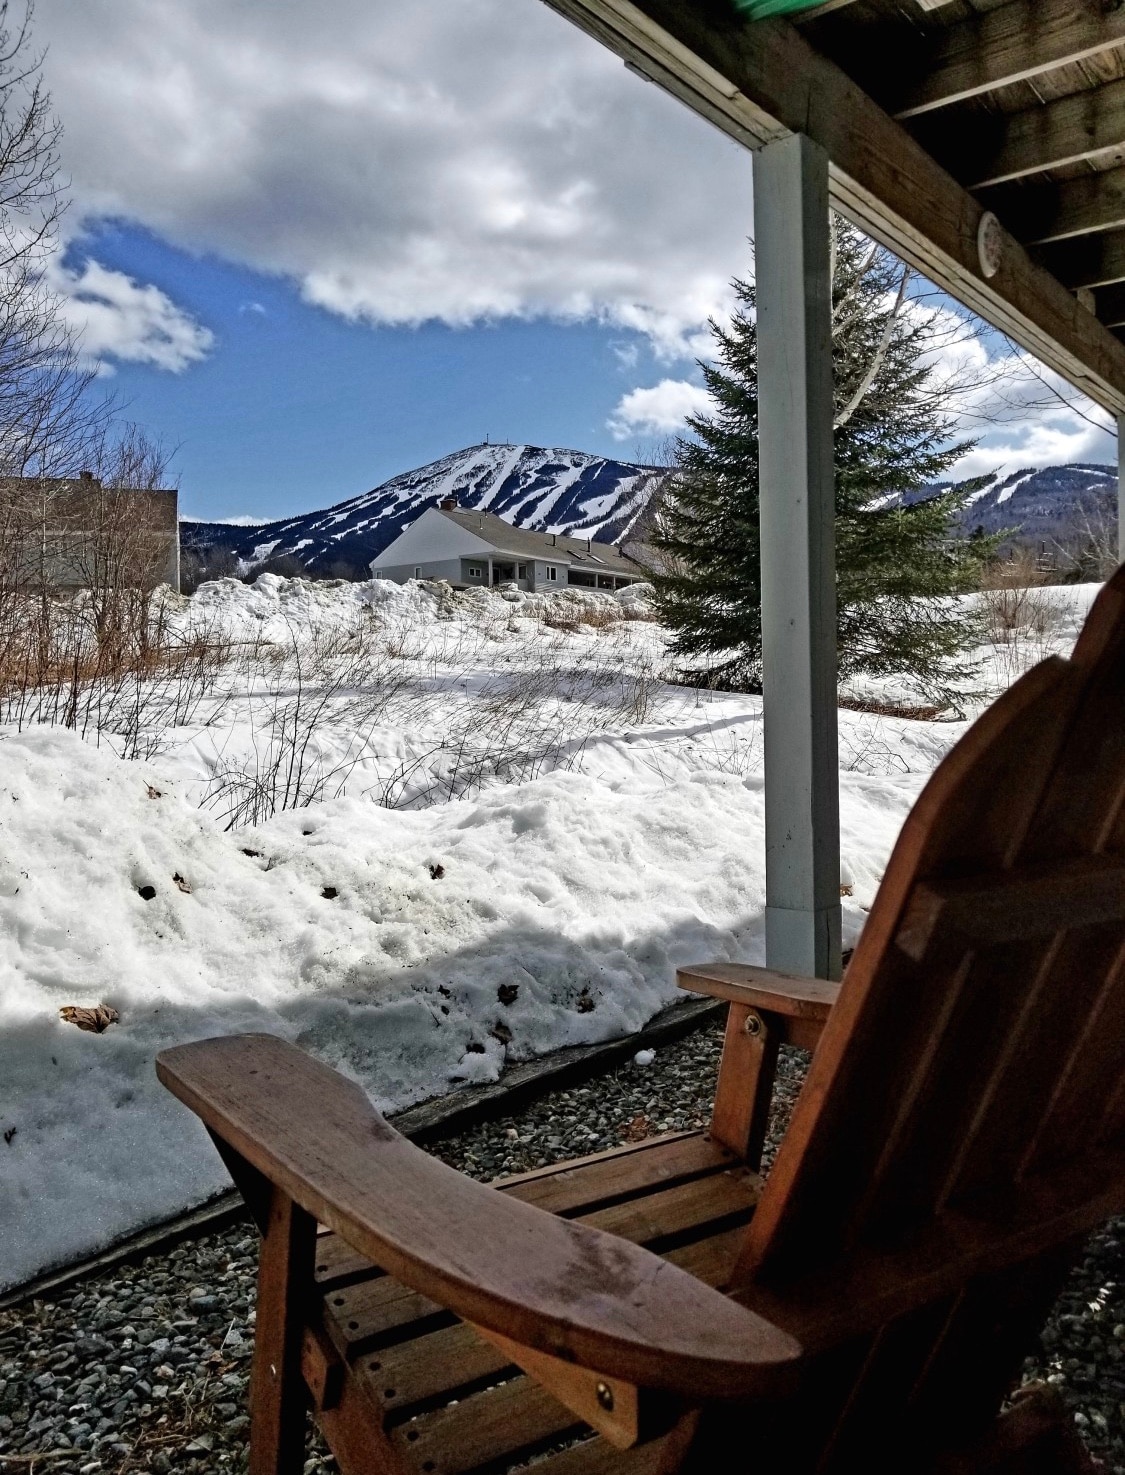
<point x="414" y="911"/>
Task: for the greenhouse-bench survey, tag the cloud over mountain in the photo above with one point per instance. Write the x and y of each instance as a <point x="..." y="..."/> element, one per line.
<point x="438" y="160"/>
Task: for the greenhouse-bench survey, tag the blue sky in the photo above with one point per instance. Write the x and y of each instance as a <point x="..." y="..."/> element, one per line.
<point x="314" y="254"/>
<point x="295" y="407"/>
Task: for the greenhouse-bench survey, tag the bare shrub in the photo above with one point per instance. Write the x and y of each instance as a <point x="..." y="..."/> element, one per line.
<point x="1091" y="551"/>
<point x="54" y="671"/>
<point x="1013" y="599"/>
<point x="320" y="676"/>
<point x="599" y="617"/>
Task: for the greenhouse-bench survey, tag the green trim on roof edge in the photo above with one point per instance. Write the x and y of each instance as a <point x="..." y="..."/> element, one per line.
<point x="759" y="9"/>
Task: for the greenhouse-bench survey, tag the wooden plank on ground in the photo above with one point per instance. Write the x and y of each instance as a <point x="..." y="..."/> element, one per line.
<point x="532" y="1079"/>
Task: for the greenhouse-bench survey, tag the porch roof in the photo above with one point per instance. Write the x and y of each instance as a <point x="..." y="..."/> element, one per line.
<point x="946" y="123"/>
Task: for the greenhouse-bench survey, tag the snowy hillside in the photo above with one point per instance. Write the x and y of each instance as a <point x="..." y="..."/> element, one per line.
<point x="549" y="491"/>
<point x="561" y="491"/>
<point x="423" y="834"/>
<point x="1047" y="506"/>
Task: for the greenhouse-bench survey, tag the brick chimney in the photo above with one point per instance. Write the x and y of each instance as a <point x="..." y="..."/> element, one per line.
<point x="448" y="504"/>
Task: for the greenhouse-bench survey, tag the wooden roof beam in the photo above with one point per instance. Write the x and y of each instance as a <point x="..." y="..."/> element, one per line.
<point x="1009" y="44"/>
<point x="1087" y="261"/>
<point x="761" y="81"/>
<point x="984" y="151"/>
<point x="1059" y="209"/>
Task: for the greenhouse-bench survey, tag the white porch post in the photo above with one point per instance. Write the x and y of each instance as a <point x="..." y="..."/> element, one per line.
<point x="791" y="225"/>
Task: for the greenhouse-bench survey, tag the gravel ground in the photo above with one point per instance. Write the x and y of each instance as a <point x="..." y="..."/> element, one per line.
<point x="144" y="1369"/>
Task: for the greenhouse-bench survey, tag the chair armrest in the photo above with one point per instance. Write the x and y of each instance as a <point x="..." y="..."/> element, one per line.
<point x="550" y="1284"/>
<point x="763" y="989"/>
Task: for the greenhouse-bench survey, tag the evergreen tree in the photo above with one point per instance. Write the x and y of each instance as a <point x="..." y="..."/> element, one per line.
<point x="896" y="564"/>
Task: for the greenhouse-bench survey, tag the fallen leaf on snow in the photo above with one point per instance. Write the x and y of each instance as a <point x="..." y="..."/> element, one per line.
<point x="181" y="883"/>
<point x="95" y="1020"/>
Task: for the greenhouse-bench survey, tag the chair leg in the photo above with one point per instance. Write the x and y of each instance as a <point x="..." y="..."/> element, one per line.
<point x="745" y="1089"/>
<point x="277" y="1392"/>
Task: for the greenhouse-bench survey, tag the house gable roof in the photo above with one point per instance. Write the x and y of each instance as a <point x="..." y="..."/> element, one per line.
<point x="552" y="548"/>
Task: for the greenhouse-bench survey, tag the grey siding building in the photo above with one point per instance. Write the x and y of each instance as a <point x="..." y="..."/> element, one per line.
<point x="479" y="549"/>
<point x="67" y="534"/>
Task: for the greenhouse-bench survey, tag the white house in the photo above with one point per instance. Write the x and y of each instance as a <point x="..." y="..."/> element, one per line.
<point x="478" y="548"/>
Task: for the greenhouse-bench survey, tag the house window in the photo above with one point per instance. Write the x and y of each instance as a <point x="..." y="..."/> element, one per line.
<point x="476" y="571"/>
<point x="521" y="571"/>
<point x="417" y="571"/>
<point x="552" y="573"/>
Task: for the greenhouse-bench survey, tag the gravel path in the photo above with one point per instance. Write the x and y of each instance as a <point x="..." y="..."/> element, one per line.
<point x="144" y="1369"/>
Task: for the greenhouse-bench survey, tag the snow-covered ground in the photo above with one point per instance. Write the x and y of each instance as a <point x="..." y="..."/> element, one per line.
<point x="420" y="834"/>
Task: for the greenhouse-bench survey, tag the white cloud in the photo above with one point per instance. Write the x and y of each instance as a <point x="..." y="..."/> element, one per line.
<point x="457" y="160"/>
<point x="448" y="159"/>
<point x="118" y="318"/>
<point x="662" y="409"/>
<point x="1039" y="440"/>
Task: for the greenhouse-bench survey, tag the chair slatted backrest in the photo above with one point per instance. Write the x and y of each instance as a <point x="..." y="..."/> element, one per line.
<point x="963" y="1121"/>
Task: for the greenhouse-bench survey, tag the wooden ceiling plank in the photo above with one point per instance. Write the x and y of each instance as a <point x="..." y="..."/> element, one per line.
<point x="1038" y="214"/>
<point x="1032" y="141"/>
<point x="1087" y="261"/>
<point x="1009" y="44"/>
<point x="760" y="81"/>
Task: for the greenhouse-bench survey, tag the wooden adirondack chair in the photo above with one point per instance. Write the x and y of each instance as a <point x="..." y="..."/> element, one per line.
<point x="961" y="1129"/>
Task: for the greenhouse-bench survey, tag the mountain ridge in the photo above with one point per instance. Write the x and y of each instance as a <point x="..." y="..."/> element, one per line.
<point x="543" y="489"/>
<point x="555" y="490"/>
<point x="1046" y="508"/>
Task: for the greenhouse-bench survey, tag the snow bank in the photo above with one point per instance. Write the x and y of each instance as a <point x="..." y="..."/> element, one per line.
<point x="580" y="895"/>
<point x="273" y="606"/>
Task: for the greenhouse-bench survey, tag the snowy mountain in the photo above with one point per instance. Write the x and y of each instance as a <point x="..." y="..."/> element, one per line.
<point x="1047" y="506"/>
<point x="549" y="491"/>
<point x="561" y="491"/>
